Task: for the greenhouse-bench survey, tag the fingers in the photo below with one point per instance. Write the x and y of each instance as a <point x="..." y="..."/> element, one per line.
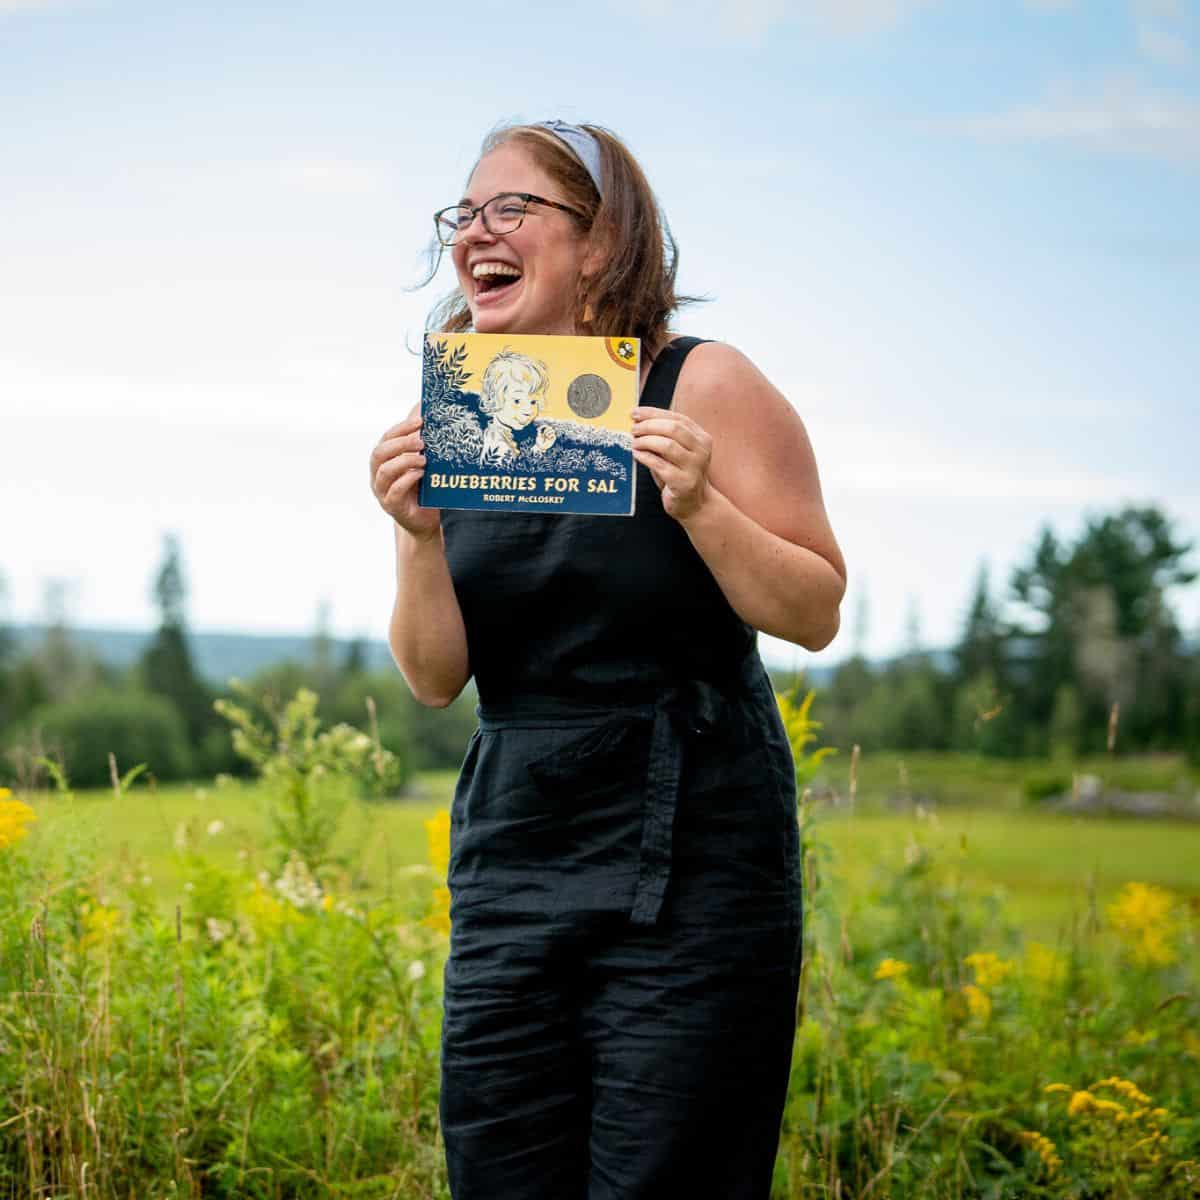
<point x="393" y="469"/>
<point x="389" y="447"/>
<point x="410" y="423"/>
<point x="399" y="491"/>
<point x="668" y="449"/>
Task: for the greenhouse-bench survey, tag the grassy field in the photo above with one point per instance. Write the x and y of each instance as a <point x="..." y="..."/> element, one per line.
<point x="1049" y="868"/>
<point x="997" y="1001"/>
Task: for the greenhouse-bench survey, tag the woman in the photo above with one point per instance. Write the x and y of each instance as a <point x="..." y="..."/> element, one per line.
<point x="625" y="877"/>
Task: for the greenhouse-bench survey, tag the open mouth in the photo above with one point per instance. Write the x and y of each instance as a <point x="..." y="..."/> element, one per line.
<point x="492" y="279"/>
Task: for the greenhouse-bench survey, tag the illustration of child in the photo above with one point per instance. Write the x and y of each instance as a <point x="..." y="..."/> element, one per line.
<point x="512" y="394"/>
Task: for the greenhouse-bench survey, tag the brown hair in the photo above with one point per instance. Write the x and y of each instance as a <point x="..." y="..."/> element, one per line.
<point x="633" y="293"/>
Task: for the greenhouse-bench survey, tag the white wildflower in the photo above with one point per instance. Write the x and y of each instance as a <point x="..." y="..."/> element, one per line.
<point x="218" y="931"/>
<point x="215" y="827"/>
<point x="416" y="970"/>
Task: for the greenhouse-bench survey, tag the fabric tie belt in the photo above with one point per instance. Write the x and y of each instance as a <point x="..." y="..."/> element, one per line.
<point x="680" y="711"/>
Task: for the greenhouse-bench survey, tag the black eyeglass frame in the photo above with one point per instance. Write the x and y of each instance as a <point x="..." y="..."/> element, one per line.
<point x="526" y="198"/>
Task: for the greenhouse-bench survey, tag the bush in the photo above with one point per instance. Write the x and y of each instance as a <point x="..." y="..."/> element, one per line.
<point x="133" y="726"/>
<point x="1041" y="785"/>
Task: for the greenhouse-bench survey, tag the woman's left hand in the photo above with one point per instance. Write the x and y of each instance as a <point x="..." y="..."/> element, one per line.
<point x="677" y="452"/>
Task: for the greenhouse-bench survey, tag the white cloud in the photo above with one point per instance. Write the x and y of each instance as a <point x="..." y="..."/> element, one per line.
<point x="1161" y="45"/>
<point x="750" y="20"/>
<point x="1119" y="115"/>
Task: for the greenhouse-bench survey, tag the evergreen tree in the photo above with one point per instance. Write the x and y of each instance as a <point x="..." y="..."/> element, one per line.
<point x="1100" y="622"/>
<point x="166" y="665"/>
<point x="981" y="647"/>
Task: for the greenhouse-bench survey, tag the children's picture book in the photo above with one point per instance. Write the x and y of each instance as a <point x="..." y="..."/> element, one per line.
<point x="529" y="423"/>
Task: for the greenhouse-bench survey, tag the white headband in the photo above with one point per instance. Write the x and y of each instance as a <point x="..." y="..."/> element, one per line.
<point x="582" y="144"/>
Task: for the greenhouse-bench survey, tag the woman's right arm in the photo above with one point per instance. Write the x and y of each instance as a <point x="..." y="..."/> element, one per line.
<point x="427" y="636"/>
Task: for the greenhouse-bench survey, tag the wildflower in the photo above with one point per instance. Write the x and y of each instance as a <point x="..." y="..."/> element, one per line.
<point x="979" y="1003"/>
<point x="1081" y="1102"/>
<point x="801" y="732"/>
<point x="14" y="816"/>
<point x="217" y="930"/>
<point x="438" y="830"/>
<point x="416" y="970"/>
<point x="99" y="926"/>
<point x="1044" y="966"/>
<point x="439" y="919"/>
<point x="297" y="884"/>
<point x="1125" y="1087"/>
<point x="215" y="827"/>
<point x="326" y="902"/>
<point x="989" y="969"/>
<point x="1056" y="1087"/>
<point x="267" y="913"/>
<point x="891" y="968"/>
<point x="1142" y="917"/>
<point x="1044" y="1148"/>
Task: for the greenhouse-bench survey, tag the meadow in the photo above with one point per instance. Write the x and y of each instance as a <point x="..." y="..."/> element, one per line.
<point x="997" y="1001"/>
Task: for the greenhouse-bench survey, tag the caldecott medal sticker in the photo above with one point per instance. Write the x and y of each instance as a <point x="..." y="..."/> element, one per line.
<point x="529" y="423"/>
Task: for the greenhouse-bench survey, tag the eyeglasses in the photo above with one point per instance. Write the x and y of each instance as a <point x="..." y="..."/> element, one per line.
<point x="501" y="214"/>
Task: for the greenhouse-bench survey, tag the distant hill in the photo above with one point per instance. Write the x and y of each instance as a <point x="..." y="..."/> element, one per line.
<point x="218" y="656"/>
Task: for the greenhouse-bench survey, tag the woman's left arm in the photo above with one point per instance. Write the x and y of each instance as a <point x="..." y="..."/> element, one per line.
<point x="736" y="470"/>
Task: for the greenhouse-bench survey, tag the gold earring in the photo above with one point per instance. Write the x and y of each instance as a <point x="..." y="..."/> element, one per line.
<point x="588" y="314"/>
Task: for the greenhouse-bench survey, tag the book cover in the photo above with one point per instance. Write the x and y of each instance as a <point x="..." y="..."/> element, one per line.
<point x="529" y="423"/>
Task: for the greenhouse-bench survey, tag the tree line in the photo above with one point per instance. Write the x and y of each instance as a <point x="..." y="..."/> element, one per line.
<point x="1083" y="645"/>
<point x="61" y="703"/>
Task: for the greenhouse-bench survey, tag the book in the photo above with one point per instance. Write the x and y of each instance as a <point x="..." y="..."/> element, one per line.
<point x="529" y="423"/>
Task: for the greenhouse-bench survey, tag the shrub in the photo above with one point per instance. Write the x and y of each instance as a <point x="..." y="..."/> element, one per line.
<point x="133" y="726"/>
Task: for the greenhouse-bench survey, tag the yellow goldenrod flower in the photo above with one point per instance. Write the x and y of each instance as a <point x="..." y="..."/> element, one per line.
<point x="801" y="728"/>
<point x="1044" y="966"/>
<point x="267" y="912"/>
<point x="1056" y="1087"/>
<point x="14" y="816"/>
<point x="1143" y="919"/>
<point x="891" y="968"/>
<point x="1081" y="1102"/>
<point x="1125" y="1086"/>
<point x="99" y="926"/>
<point x="439" y="918"/>
<point x="979" y="1003"/>
<point x="1045" y="1149"/>
<point x="438" y="830"/>
<point x="989" y="969"/>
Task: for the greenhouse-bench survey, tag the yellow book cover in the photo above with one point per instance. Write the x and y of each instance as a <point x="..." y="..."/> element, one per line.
<point x="529" y="423"/>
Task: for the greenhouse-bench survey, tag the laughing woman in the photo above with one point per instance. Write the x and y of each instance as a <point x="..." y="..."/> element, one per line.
<point x="625" y="876"/>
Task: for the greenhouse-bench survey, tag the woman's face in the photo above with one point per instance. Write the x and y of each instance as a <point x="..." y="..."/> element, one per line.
<point x="547" y="252"/>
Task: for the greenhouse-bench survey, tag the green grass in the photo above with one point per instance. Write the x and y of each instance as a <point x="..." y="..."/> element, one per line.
<point x="1049" y="867"/>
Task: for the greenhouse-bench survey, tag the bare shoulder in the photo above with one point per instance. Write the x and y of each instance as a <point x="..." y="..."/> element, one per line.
<point x="762" y="458"/>
<point x="727" y="395"/>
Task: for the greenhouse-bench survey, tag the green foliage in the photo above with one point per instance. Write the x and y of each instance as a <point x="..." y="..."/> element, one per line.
<point x="166" y="668"/>
<point x="132" y="726"/>
<point x="311" y="773"/>
<point x="282" y="1040"/>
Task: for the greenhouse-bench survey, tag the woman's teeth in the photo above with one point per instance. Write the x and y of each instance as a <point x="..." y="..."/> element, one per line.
<point x="492" y="276"/>
<point x="488" y="270"/>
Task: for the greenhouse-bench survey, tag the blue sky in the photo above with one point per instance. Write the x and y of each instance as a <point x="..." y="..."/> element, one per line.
<point x="962" y="237"/>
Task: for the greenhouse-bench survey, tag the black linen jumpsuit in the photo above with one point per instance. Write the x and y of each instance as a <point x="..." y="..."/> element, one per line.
<point x="624" y="867"/>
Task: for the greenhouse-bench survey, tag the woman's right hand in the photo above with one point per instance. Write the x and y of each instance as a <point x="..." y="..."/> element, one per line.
<point x="397" y="465"/>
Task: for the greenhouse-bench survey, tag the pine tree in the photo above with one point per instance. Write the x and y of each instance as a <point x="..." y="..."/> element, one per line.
<point x="166" y="664"/>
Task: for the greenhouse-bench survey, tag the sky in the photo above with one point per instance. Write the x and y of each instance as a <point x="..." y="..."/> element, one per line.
<point x="961" y="237"/>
